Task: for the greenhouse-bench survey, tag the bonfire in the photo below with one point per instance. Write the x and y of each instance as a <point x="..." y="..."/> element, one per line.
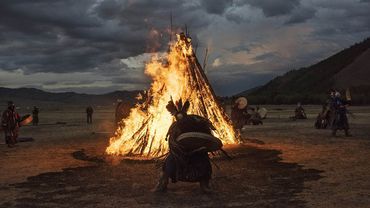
<point x="176" y="76"/>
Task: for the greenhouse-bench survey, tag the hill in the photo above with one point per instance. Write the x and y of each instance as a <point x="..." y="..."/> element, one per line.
<point x="350" y="68"/>
<point x="31" y="96"/>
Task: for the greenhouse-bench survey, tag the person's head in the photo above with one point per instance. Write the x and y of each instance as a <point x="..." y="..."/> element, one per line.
<point x="332" y="92"/>
<point x="299" y="104"/>
<point x="337" y="94"/>
<point x="179" y="110"/>
<point x="179" y="116"/>
<point x="11" y="105"/>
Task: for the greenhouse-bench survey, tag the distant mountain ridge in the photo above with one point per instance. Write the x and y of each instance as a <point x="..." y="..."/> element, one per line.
<point x="32" y="96"/>
<point x="350" y="68"/>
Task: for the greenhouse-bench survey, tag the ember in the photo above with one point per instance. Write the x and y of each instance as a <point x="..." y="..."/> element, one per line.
<point x="177" y="76"/>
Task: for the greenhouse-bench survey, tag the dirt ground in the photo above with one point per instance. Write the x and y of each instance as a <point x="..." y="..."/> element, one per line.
<point x="282" y="163"/>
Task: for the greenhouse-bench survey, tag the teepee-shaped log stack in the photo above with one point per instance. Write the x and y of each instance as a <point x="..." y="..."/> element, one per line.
<point x="178" y="75"/>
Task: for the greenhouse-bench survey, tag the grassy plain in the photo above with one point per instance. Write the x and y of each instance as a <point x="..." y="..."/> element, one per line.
<point x="282" y="163"/>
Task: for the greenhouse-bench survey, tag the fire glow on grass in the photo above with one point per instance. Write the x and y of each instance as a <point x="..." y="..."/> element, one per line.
<point x="180" y="75"/>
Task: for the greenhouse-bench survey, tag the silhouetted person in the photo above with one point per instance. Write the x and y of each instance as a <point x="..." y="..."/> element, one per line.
<point x="35" y="115"/>
<point x="340" y="121"/>
<point x="183" y="164"/>
<point x="322" y="120"/>
<point x="299" y="112"/>
<point x="89" y="113"/>
<point x="10" y="124"/>
<point x="239" y="113"/>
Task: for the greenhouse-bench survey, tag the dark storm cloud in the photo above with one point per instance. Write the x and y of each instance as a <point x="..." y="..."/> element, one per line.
<point x="266" y="56"/>
<point x="130" y="80"/>
<point x="108" y="9"/>
<point x="232" y="17"/>
<point x="21" y="15"/>
<point x="71" y="36"/>
<point x="239" y="48"/>
<point x="50" y="83"/>
<point x="273" y="8"/>
<point x="301" y="15"/>
<point x="53" y="41"/>
<point x="216" y="6"/>
<point x="87" y="90"/>
<point x="51" y="36"/>
<point x="345" y="19"/>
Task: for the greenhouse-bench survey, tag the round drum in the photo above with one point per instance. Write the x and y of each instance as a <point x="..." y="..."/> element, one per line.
<point x="26" y="120"/>
<point x="196" y="140"/>
<point x="242" y="102"/>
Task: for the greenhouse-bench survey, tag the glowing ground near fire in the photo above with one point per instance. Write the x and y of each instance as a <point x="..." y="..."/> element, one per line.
<point x="176" y="76"/>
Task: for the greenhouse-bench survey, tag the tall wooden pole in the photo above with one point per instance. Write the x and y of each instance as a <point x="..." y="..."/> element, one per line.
<point x="205" y="60"/>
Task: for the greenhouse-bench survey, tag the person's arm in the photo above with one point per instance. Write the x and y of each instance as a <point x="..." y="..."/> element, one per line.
<point x="4" y="119"/>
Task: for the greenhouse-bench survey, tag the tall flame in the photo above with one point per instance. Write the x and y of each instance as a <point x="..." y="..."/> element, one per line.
<point x="180" y="75"/>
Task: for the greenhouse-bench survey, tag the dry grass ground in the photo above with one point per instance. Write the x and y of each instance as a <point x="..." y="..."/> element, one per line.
<point x="283" y="163"/>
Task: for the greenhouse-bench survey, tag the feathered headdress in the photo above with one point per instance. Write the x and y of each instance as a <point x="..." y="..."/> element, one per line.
<point x="179" y="107"/>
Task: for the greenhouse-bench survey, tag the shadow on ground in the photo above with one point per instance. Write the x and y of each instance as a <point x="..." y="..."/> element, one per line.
<point x="254" y="178"/>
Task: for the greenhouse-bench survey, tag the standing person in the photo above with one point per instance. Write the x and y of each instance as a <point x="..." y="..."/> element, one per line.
<point x="10" y="124"/>
<point x="239" y="114"/>
<point x="326" y="116"/>
<point x="89" y="112"/>
<point x="340" y="121"/>
<point x="35" y="115"/>
<point x="330" y="113"/>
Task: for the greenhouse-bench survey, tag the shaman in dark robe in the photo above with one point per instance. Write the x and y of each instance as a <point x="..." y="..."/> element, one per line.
<point x="340" y="121"/>
<point x="35" y="116"/>
<point x="10" y="124"/>
<point x="181" y="163"/>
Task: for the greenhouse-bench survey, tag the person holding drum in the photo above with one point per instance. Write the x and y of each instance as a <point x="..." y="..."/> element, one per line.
<point x="190" y="139"/>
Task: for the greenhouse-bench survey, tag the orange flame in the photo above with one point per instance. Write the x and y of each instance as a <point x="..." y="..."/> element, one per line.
<point x="143" y="132"/>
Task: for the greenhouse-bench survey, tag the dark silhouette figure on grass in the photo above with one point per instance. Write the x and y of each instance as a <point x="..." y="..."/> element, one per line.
<point x="10" y="124"/>
<point x="89" y="113"/>
<point x="35" y="115"/>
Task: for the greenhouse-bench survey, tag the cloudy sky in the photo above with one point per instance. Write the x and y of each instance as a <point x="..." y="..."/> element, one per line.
<point x="98" y="46"/>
